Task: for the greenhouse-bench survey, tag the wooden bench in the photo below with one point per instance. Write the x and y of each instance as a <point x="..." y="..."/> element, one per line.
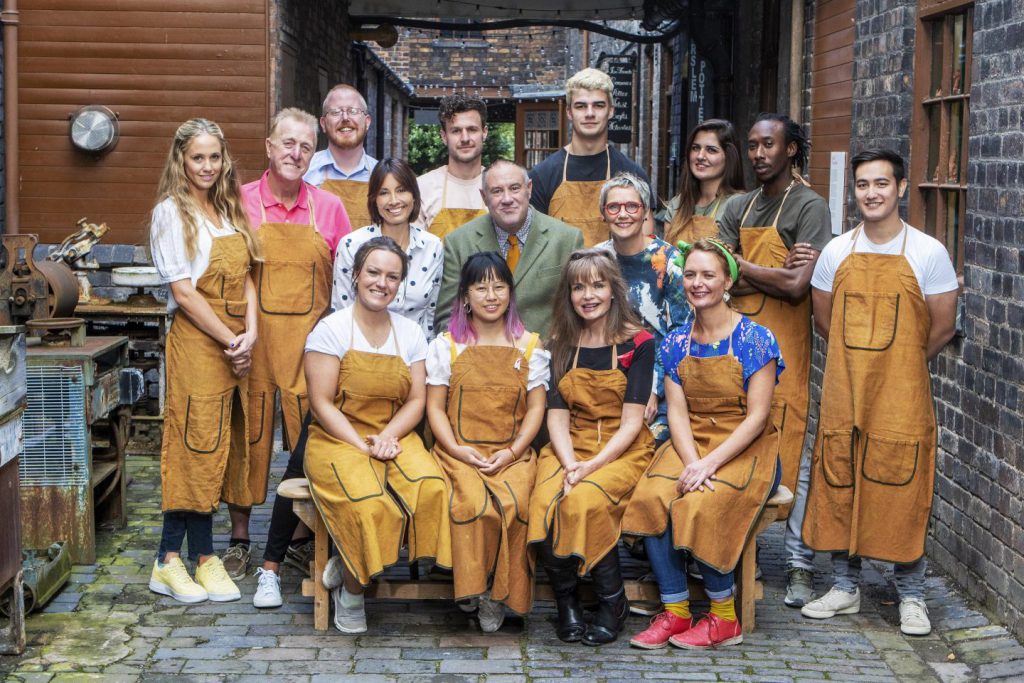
<point x="749" y="590"/>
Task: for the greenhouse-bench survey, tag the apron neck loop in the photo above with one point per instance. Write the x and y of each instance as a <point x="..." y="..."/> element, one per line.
<point x="309" y="205"/>
<point x="760" y="193"/>
<point x="391" y="334"/>
<point x="903" y="245"/>
<point x="565" y="165"/>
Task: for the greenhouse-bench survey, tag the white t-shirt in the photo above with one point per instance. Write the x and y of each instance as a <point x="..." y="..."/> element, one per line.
<point x="439" y="364"/>
<point x="167" y="244"/>
<point x="462" y="194"/>
<point x="927" y="257"/>
<point x="332" y="335"/>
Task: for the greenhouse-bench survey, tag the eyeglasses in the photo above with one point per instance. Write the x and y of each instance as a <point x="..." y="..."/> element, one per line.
<point x="351" y="111"/>
<point x="497" y="288"/>
<point x="613" y="208"/>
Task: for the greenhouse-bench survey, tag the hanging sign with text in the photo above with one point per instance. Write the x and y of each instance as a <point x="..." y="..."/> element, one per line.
<point x="621" y="70"/>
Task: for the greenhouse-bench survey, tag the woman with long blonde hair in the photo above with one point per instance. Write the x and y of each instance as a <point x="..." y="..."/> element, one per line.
<point x="202" y="248"/>
<point x="602" y="364"/>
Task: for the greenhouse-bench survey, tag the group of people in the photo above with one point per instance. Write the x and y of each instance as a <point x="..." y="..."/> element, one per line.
<point x="495" y="367"/>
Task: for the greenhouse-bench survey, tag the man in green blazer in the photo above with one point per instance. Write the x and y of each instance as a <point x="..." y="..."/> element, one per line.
<point x="535" y="245"/>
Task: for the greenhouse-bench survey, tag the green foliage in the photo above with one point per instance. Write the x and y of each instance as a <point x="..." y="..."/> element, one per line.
<point x="426" y="151"/>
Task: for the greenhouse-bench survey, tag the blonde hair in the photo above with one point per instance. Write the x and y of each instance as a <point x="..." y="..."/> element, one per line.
<point x="224" y="195"/>
<point x="294" y="114"/>
<point x="589" y="79"/>
<point x="621" y="323"/>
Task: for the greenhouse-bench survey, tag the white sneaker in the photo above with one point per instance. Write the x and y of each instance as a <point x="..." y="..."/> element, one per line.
<point x="491" y="615"/>
<point x="334" y="573"/>
<point x="268" y="589"/>
<point x="349" y="611"/>
<point x="834" y="602"/>
<point x="914" y="617"/>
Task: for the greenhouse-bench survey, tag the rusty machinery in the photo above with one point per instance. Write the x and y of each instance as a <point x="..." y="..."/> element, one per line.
<point x="31" y="290"/>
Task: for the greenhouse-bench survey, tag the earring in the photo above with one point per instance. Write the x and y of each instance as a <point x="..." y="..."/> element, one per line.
<point x="727" y="297"/>
<point x="469" y="311"/>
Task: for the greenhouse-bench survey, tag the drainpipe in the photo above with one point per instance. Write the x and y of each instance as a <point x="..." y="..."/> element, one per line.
<point x="796" y="61"/>
<point x="9" y="19"/>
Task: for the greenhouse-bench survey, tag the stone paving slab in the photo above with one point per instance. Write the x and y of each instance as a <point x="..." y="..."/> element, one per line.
<point x="106" y="626"/>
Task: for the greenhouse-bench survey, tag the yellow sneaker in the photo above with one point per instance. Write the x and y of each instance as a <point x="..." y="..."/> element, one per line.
<point x="172" y="579"/>
<point x="212" y="576"/>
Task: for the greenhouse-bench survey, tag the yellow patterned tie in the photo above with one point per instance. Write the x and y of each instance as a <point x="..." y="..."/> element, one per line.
<point x="513" y="253"/>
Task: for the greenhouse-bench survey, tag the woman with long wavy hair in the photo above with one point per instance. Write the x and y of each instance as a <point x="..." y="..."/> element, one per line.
<point x="203" y="249"/>
<point x="711" y="177"/>
<point x="602" y="363"/>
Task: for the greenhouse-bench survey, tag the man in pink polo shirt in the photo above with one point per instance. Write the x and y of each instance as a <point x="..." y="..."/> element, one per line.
<point x="298" y="227"/>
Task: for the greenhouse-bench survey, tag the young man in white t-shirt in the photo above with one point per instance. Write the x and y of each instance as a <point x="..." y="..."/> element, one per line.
<point x="876" y="392"/>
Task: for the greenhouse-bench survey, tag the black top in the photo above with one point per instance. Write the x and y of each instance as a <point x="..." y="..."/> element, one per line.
<point x="547" y="175"/>
<point x="639" y="374"/>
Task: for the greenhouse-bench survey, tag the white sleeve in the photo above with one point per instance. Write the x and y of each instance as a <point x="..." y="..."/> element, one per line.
<point x="825" y="269"/>
<point x="540" y="370"/>
<point x="329" y="336"/>
<point x="940" y="275"/>
<point x="439" y="361"/>
<point x="167" y="243"/>
<point x="342" y="291"/>
<point x="414" y="342"/>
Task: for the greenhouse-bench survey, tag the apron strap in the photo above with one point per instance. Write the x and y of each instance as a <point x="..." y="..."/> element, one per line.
<point x="750" y="205"/>
<point x="530" y="346"/>
<point x="263" y="212"/>
<point x="444" y="190"/>
<point x="576" y="357"/>
<point x="760" y="191"/>
<point x="309" y="204"/>
<point x="718" y="205"/>
<point x="565" y="165"/>
<point x="775" y="223"/>
<point x="451" y="342"/>
<point x="906" y="230"/>
<point x="608" y="168"/>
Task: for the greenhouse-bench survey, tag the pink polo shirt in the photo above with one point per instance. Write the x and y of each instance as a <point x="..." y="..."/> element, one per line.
<point x="331" y="219"/>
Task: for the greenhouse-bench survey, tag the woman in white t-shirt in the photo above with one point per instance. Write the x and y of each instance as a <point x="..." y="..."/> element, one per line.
<point x="487" y="378"/>
<point x="368" y="471"/>
<point x="202" y="247"/>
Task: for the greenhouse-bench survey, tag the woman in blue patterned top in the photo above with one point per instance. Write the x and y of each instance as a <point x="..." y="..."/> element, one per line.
<point x="654" y="280"/>
<point x="708" y="484"/>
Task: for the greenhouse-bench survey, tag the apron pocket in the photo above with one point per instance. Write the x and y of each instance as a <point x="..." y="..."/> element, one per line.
<point x="204" y="423"/>
<point x="257" y="408"/>
<point x="837" y="457"/>
<point x="287" y="287"/>
<point x="869" y="320"/>
<point x="892" y="462"/>
<point x="361" y="481"/>
<point x="737" y="473"/>
<point x="778" y="415"/>
<point x="502" y="403"/>
<point x="359" y="408"/>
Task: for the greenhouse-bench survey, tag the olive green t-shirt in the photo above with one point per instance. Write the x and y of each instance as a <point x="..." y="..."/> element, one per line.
<point x="804" y="218"/>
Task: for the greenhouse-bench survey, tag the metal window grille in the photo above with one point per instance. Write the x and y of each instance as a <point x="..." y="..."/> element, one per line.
<point x="56" y="453"/>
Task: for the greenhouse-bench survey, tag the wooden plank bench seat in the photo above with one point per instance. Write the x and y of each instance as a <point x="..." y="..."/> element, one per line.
<point x="749" y="589"/>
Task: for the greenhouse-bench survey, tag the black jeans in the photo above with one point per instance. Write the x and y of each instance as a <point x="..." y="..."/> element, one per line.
<point x="283" y="521"/>
<point x="198" y="526"/>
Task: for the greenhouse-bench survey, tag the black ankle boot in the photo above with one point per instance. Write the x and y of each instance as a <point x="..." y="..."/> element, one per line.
<point x="562" y="575"/>
<point x="612" y="606"/>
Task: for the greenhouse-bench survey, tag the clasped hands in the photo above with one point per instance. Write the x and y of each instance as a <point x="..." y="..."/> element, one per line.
<point x="239" y="352"/>
<point x="577" y="472"/>
<point x="500" y="459"/>
<point x="382" y="447"/>
<point x="697" y="475"/>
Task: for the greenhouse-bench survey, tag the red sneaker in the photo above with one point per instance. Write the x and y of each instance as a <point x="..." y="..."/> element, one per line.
<point x="663" y="627"/>
<point x="711" y="631"/>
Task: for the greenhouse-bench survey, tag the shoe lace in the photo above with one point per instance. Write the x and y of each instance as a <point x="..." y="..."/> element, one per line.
<point x="657" y="619"/>
<point x="914" y="609"/>
<point x="236" y="551"/>
<point x="177" y="571"/>
<point x="266" y="580"/>
<point x="217" y="571"/>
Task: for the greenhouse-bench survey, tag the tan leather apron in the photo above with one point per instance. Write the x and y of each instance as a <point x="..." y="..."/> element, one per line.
<point x="448" y="219"/>
<point x="712" y="525"/>
<point x="489" y="513"/>
<point x="791" y="324"/>
<point x="366" y="503"/>
<point x="352" y="194"/>
<point x="586" y="523"/>
<point x="293" y="286"/>
<point x="578" y="203"/>
<point x="873" y="467"/>
<point x="204" y="456"/>
<point x="695" y="228"/>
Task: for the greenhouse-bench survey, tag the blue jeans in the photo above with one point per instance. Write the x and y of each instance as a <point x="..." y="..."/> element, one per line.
<point x="909" y="577"/>
<point x="669" y="565"/>
<point x="798" y="555"/>
<point x="197" y="525"/>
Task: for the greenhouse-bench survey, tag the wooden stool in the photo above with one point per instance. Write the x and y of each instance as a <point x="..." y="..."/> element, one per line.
<point x="749" y="589"/>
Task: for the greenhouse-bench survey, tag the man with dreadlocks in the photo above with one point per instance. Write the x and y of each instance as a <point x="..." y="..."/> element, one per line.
<point x="762" y="227"/>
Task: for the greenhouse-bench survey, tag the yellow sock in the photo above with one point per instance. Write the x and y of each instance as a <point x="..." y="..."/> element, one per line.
<point x="725" y="609"/>
<point x="681" y="609"/>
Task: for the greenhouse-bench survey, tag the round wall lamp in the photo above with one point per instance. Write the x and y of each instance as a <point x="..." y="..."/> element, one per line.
<point x="93" y="129"/>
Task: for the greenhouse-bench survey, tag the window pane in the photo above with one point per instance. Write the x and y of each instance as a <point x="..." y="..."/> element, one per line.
<point x="953" y="224"/>
<point x="956" y="132"/>
<point x="934" y="123"/>
<point x="930" y="210"/>
<point x="938" y="32"/>
<point x="959" y="48"/>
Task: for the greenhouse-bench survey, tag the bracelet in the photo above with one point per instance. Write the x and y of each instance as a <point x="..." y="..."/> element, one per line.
<point x="512" y="451"/>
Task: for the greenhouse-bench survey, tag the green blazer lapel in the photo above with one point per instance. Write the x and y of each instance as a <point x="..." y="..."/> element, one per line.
<point x="485" y="239"/>
<point x="536" y="243"/>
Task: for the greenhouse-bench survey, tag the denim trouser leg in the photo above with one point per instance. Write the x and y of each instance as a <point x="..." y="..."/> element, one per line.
<point x="669" y="566"/>
<point x="845" y="572"/>
<point x="197" y="526"/>
<point x="798" y="555"/>
<point x="910" y="579"/>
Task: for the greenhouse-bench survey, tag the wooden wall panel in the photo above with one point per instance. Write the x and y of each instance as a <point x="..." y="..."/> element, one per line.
<point x="831" y="86"/>
<point x="154" y="63"/>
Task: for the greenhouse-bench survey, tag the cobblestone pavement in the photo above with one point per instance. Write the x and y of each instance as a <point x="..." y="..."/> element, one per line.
<point x="106" y="625"/>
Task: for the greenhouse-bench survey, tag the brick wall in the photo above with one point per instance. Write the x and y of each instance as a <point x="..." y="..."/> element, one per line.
<point x="977" y="530"/>
<point x="310" y="51"/>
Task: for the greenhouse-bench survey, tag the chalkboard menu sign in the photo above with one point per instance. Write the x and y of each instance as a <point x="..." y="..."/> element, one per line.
<point x="621" y="70"/>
